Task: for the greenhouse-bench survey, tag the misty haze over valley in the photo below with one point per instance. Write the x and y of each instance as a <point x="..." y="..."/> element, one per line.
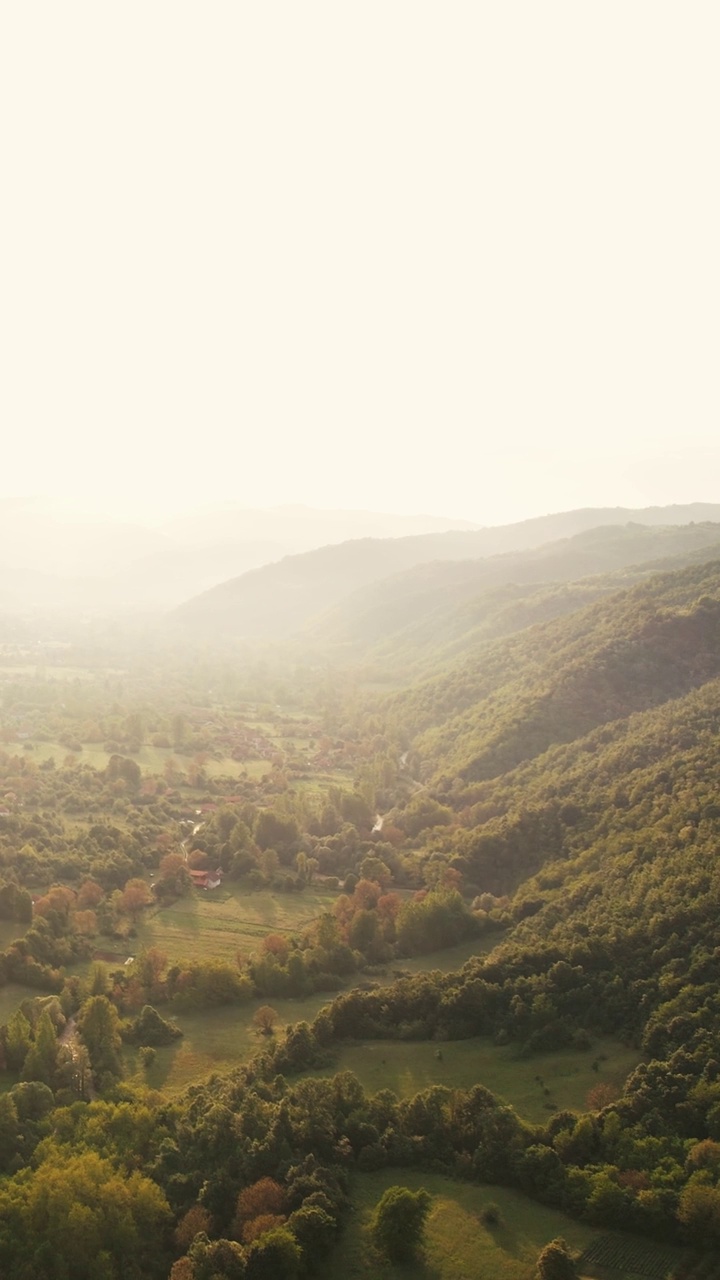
<point x="360" y="641"/>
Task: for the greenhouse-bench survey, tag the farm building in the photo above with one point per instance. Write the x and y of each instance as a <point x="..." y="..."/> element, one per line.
<point x="206" y="879"/>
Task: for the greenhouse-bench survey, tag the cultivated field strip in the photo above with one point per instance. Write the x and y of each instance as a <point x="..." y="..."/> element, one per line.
<point x="631" y="1257"/>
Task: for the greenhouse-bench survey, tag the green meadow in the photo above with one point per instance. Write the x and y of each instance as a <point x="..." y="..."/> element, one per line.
<point x="214" y="924"/>
<point x="534" y="1086"/>
<point x="452" y="958"/>
<point x="458" y="1244"/>
<point x="215" y="1041"/>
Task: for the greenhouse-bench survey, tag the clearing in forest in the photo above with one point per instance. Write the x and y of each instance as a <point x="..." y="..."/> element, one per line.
<point x="459" y="1244"/>
<point x="536" y="1086"/>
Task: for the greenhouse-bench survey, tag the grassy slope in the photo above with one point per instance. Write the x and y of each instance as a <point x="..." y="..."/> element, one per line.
<point x="409" y="1066"/>
<point x="458" y="1246"/>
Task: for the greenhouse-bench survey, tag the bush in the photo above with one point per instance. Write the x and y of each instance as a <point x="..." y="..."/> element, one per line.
<point x="491" y="1215"/>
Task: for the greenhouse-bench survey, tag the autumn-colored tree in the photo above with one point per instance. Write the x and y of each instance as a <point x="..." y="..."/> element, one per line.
<point x="196" y="1219"/>
<point x="183" y="1269"/>
<point x="705" y="1155"/>
<point x="257" y="1227"/>
<point x="601" y="1095"/>
<point x="264" y="1019"/>
<point x="266" y="1196"/>
<point x="170" y="865"/>
<point x="276" y="945"/>
<point x="85" y="922"/>
<point x="366" y="895"/>
<point x="136" y="895"/>
<point x="89" y="895"/>
<point x="59" y="899"/>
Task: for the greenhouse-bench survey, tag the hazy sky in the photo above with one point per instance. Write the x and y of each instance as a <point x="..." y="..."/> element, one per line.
<point x="453" y="257"/>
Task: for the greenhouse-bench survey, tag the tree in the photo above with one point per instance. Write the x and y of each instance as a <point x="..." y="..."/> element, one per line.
<point x="9" y="1130"/>
<point x="40" y="1063"/>
<point x="136" y="895"/>
<point x="699" y="1213"/>
<point x="18" y="1038"/>
<point x="259" y="1200"/>
<point x="89" y="895"/>
<point x="399" y="1221"/>
<point x="274" y="1256"/>
<point x="174" y="874"/>
<point x="79" y="1207"/>
<point x="99" y="1027"/>
<point x="264" y="1019"/>
<point x="196" y="1219"/>
<point x="150" y="1028"/>
<point x="555" y="1262"/>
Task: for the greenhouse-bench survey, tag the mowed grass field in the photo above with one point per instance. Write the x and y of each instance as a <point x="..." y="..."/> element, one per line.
<point x="534" y="1086"/>
<point x="215" y="924"/>
<point x="458" y="1245"/>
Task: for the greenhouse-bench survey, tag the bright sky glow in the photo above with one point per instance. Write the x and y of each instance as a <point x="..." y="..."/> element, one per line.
<point x="452" y="257"/>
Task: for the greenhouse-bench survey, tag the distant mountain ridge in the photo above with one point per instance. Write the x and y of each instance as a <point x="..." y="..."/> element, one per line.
<point x="278" y="600"/>
<point x="54" y="557"/>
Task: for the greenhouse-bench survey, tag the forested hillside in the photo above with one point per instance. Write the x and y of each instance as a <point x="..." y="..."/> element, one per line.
<point x="420" y="619"/>
<point x="555" y="682"/>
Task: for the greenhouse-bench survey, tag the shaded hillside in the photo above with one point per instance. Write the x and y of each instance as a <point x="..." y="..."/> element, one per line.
<point x="277" y="600"/>
<point x="398" y="621"/>
<point x="556" y="682"/>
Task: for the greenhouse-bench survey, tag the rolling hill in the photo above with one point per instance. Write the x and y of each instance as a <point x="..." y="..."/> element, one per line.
<point x="279" y="600"/>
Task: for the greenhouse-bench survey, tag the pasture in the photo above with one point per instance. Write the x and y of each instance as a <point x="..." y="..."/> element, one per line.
<point x="458" y="1245"/>
<point x="215" y="924"/>
<point x="452" y="958"/>
<point x="535" y="1086"/>
<point x="215" y="1041"/>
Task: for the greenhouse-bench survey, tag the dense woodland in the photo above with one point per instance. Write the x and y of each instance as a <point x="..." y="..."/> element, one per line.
<point x="542" y="785"/>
